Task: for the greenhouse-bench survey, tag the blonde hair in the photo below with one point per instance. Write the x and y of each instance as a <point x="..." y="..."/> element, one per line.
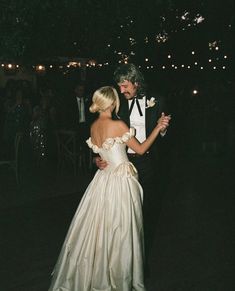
<point x="103" y="98"/>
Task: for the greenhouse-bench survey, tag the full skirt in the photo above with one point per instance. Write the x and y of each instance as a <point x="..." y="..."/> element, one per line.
<point x="104" y="247"/>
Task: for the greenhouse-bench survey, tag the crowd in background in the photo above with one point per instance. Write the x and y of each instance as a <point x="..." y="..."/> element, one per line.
<point x="202" y="112"/>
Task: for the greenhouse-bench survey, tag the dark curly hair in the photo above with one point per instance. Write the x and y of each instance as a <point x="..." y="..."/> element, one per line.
<point x="129" y="72"/>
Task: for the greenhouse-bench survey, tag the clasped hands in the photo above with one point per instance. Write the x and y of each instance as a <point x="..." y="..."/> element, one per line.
<point x="163" y="122"/>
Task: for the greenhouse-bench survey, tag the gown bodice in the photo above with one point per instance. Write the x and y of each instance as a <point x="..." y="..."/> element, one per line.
<point x="113" y="151"/>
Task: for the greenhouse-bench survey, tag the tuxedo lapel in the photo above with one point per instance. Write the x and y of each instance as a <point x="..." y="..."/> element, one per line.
<point x="124" y="112"/>
<point x="149" y="120"/>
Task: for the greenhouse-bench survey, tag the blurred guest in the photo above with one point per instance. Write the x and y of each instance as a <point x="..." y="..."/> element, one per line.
<point x="43" y="125"/>
<point x="17" y="117"/>
<point x="80" y="117"/>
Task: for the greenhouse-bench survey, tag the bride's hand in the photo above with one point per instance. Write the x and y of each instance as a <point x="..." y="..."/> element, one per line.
<point x="163" y="121"/>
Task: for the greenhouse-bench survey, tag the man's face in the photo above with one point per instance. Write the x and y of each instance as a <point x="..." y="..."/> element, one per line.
<point x="128" y="89"/>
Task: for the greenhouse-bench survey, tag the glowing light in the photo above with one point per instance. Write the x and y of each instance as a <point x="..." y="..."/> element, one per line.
<point x="74" y="64"/>
<point x="199" y="19"/>
<point x="185" y="16"/>
<point x="195" y="63"/>
<point x="2" y="65"/>
<point x="213" y="44"/>
<point x="146" y="59"/>
<point x="193" y="53"/>
<point x="224" y="67"/>
<point x="195" y="92"/>
<point x="40" y="68"/>
<point x="188" y="67"/>
<point x="162" y="37"/>
<point x="225" y="57"/>
<point x="51" y="66"/>
<point x="214" y="68"/>
<point x="209" y="60"/>
<point x="201" y="68"/>
<point x="182" y="66"/>
<point x="9" y="66"/>
<point x="163" y="67"/>
<point x="217" y="48"/>
<point x="92" y="63"/>
<point x="132" y="41"/>
<point x="169" y="56"/>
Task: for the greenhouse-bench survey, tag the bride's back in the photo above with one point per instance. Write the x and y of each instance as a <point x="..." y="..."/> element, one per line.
<point x="102" y="129"/>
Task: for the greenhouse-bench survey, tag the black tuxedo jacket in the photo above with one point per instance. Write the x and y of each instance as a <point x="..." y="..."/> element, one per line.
<point x="152" y="114"/>
<point x="73" y="112"/>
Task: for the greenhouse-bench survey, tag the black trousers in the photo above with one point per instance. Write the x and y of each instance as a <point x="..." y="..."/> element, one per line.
<point x="149" y="179"/>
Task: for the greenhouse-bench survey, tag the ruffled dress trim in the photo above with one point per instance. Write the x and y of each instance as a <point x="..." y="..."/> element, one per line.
<point x="110" y="141"/>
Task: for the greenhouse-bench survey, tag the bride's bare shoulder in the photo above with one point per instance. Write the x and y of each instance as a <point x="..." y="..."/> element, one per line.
<point x="120" y="127"/>
<point x="120" y="124"/>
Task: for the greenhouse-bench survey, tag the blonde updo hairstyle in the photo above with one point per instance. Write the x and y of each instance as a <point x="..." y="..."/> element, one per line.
<point x="103" y="98"/>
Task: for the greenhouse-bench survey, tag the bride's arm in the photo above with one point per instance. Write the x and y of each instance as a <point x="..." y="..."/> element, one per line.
<point x="141" y="148"/>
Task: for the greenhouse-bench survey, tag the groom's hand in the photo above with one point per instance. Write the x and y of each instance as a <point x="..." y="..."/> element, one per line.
<point x="164" y="122"/>
<point x="101" y="164"/>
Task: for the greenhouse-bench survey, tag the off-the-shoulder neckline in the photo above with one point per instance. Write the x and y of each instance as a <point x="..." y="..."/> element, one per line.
<point x="110" y="140"/>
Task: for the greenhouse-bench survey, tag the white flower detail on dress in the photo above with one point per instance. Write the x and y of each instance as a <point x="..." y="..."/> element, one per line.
<point x="151" y="102"/>
<point x="108" y="143"/>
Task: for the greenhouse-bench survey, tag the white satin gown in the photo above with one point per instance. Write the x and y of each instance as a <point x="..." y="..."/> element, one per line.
<point x="104" y="247"/>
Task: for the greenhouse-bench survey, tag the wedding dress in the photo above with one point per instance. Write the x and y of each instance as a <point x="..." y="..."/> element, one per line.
<point x="104" y="248"/>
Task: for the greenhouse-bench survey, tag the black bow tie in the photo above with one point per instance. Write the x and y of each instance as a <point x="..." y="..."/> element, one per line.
<point x="140" y="97"/>
<point x="136" y="100"/>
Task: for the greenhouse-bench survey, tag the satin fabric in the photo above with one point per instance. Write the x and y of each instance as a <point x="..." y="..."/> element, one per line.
<point x="104" y="247"/>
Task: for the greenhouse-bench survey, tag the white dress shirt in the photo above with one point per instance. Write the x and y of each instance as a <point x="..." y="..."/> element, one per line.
<point x="137" y="121"/>
<point x="81" y="109"/>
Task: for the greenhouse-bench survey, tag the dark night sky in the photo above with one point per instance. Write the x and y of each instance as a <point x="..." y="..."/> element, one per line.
<point x="32" y="29"/>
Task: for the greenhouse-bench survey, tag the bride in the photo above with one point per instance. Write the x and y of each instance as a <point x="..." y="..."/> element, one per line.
<point x="104" y="247"/>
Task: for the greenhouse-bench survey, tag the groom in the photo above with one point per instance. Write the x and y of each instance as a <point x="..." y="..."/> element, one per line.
<point x="142" y="112"/>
